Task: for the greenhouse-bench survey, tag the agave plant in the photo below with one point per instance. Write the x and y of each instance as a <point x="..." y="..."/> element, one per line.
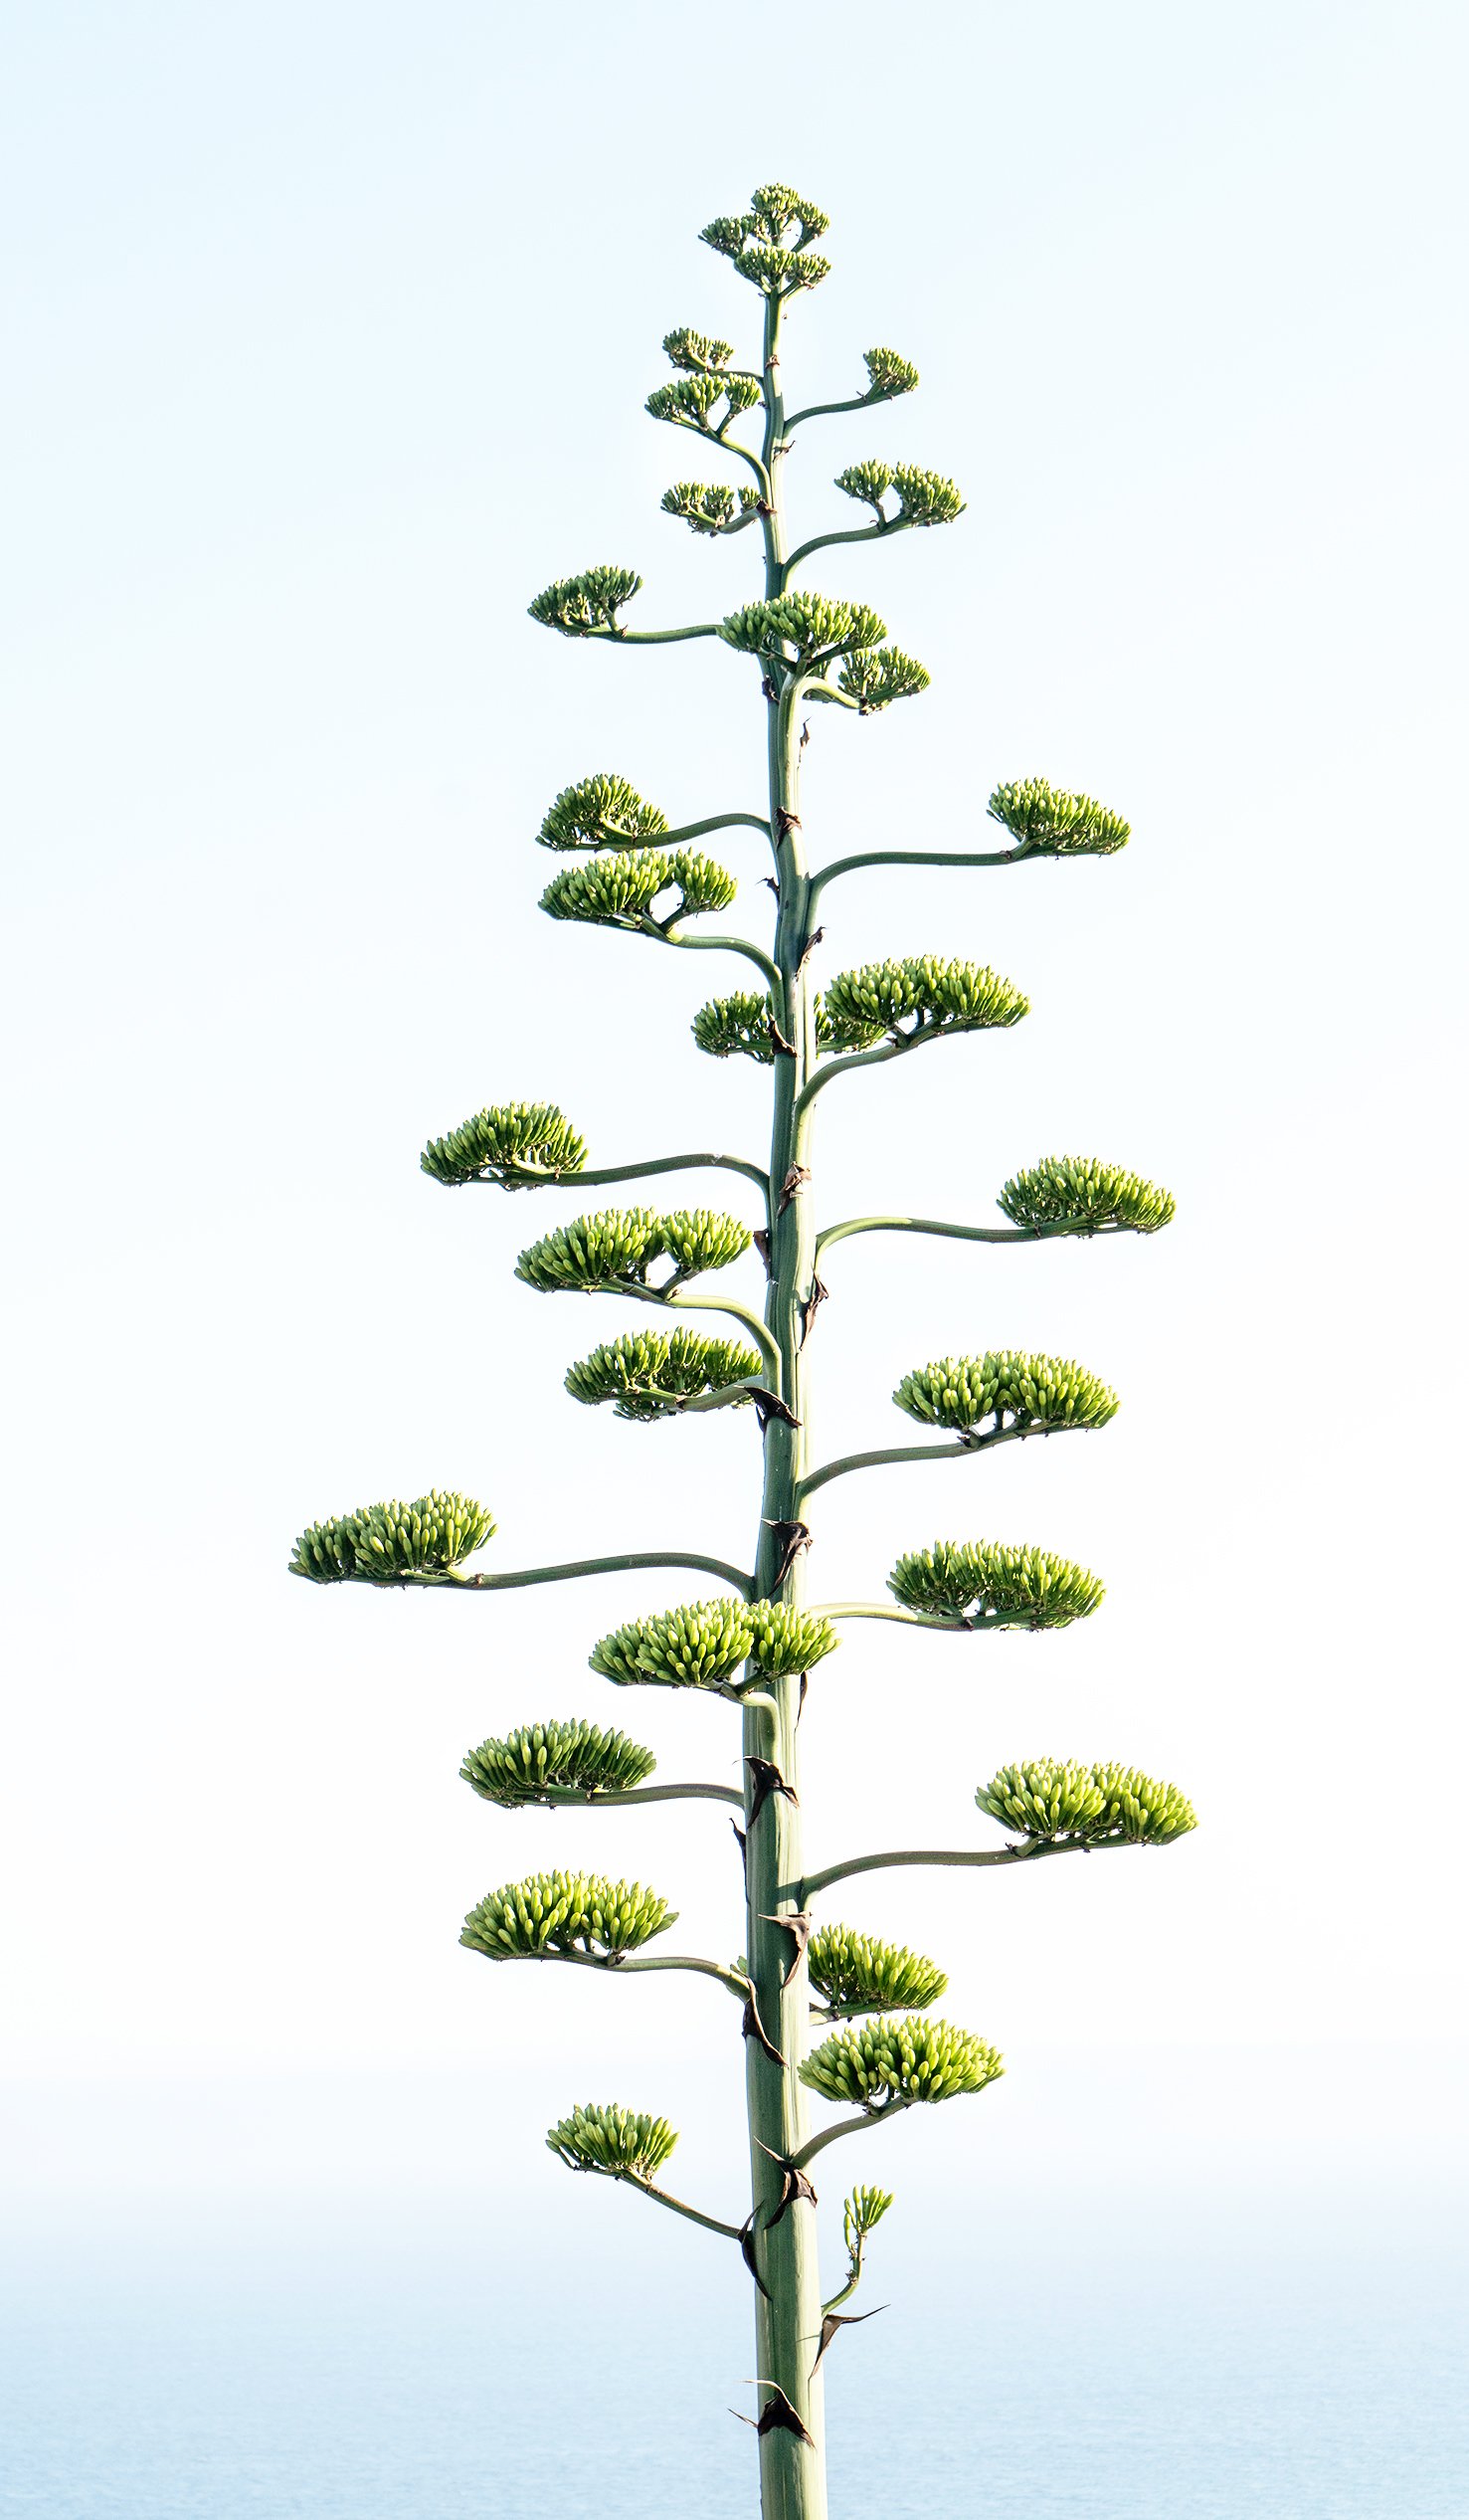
<point x="825" y="2011"/>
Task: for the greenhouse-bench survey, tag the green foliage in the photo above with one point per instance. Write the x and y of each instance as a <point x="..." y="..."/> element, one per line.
<point x="619" y="2143"/>
<point x="1051" y="824"/>
<point x="565" y="1911"/>
<point x="898" y="2059"/>
<point x="1078" y="1190"/>
<point x="702" y="1645"/>
<point x="803" y="631"/>
<point x="650" y="1372"/>
<point x="696" y="351"/>
<point x="1030" y="1391"/>
<point x="620" y="889"/>
<point x="519" y="1145"/>
<point x="1055" y="1802"/>
<point x="603" y="812"/>
<point x="570" y="1758"/>
<point x="692" y="402"/>
<point x="586" y="606"/>
<point x="853" y="1972"/>
<point x="394" y="1543"/>
<point x="710" y="508"/>
<point x="924" y="499"/>
<point x="922" y="994"/>
<point x="618" y="1246"/>
<point x="737" y="1027"/>
<point x="988" y="1580"/>
<point x="889" y="375"/>
<point x="880" y="677"/>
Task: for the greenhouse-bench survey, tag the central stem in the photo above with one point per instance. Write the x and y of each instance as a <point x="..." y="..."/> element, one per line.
<point x="792" y="2478"/>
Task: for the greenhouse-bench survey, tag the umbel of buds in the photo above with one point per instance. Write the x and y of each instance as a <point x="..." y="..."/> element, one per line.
<point x="560" y="1912"/>
<point x="541" y="1761"/>
<point x="651" y="1374"/>
<point x="922" y="995"/>
<point x="619" y="1247"/>
<point x="983" y="1581"/>
<point x="853" y="1972"/>
<point x="1043" y="1392"/>
<point x="394" y="1543"/>
<point x="620" y="2143"/>
<point x="520" y="1145"/>
<point x="704" y="1643"/>
<point x="603" y="812"/>
<point x="1077" y="1191"/>
<point x="892" y="2061"/>
<point x="1047" y="1800"/>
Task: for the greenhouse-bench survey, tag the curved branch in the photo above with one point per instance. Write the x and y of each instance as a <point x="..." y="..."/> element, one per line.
<point x="657" y="638"/>
<point x="956" y="1451"/>
<point x="853" y="533"/>
<point x="555" y="1796"/>
<point x="1033" y="1851"/>
<point x="743" y="1584"/>
<point x="875" y="1057"/>
<point x="623" y="1965"/>
<point x="676" y="2205"/>
<point x="697" y="830"/>
<point x="703" y="1161"/>
<point x="915" y="1619"/>
<point x="918" y="857"/>
<point x="715" y="946"/>
<point x="815" y="411"/>
<point x="848" y="2126"/>
<point x="957" y="1233"/>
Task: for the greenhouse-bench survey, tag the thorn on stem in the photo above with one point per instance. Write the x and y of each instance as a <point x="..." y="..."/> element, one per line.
<point x="767" y="1780"/>
<point x="779" y="2417"/>
<point x="747" y="2252"/>
<point x="819" y="1292"/>
<point x="768" y="1405"/>
<point x="809" y="948"/>
<point x="793" y="1537"/>
<point x="753" y="2027"/>
<point x="761" y="1241"/>
<point x="832" y="2322"/>
<point x="800" y="1927"/>
<point x="798" y="1174"/>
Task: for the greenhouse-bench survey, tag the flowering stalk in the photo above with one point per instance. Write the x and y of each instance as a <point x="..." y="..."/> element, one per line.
<point x="623" y="866"/>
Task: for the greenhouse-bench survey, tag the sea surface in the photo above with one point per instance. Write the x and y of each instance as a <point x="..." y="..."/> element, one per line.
<point x="355" y="2366"/>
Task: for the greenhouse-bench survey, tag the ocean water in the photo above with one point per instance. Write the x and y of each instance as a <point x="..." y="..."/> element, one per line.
<point x="370" y="2365"/>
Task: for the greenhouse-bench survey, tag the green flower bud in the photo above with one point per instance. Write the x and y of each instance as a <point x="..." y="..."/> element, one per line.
<point x="1054" y="825"/>
<point x="586" y="606"/>
<point x="853" y="1973"/>
<point x="620" y="889"/>
<point x="1138" y="1808"/>
<point x="988" y="1580"/>
<point x="925" y="499"/>
<point x="619" y="2143"/>
<point x="612" y="1248"/>
<point x="780" y="274"/>
<point x="394" y="1543"/>
<point x="565" y="1911"/>
<point x="740" y="1027"/>
<point x="900" y="2058"/>
<point x="570" y="1758"/>
<point x="649" y="1373"/>
<point x="881" y="677"/>
<point x="785" y="1639"/>
<point x="867" y="482"/>
<point x="519" y="1145"/>
<point x="919" y="995"/>
<point x="602" y="811"/>
<point x="1029" y="1391"/>
<point x="1078" y="1190"/>
<point x="862" y="2213"/>
<point x="710" y="508"/>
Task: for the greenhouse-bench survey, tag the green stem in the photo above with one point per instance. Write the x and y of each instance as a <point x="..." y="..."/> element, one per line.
<point x="918" y="857"/>
<point x="557" y="1796"/>
<point x="676" y="2205"/>
<point x="956" y="1233"/>
<point x="850" y="2126"/>
<point x="854" y="533"/>
<point x="817" y="411"/>
<point x="644" y="1171"/>
<point x="657" y="638"/>
<point x="697" y="830"/>
<point x="623" y="1565"/>
<point x="956" y="1451"/>
<point x="718" y="945"/>
<point x="875" y="1057"/>
<point x="1035" y="1850"/>
<point x="623" y="1965"/>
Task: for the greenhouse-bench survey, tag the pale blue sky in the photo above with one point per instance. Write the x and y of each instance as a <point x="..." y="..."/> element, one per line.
<point x="328" y="331"/>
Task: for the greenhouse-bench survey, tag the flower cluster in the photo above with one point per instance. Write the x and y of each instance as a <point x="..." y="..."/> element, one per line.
<point x="987" y="1581"/>
<point x="702" y="1645"/>
<point x="924" y="499"/>
<point x="1030" y="1391"/>
<point x="620" y="2143"/>
<point x="1059" y="1802"/>
<point x="520" y="1145"/>
<point x="898" y="2061"/>
<point x="394" y="1543"/>
<point x="741" y="1025"/>
<point x="1049" y="823"/>
<point x="692" y="402"/>
<point x="880" y="676"/>
<point x="853" y="1972"/>
<point x="1091" y="1197"/>
<point x="603" y="812"/>
<point x="889" y="375"/>
<point x="586" y="606"/>
<point x="766" y="243"/>
<point x="801" y="629"/>
<point x="565" y="1911"/>
<point x="620" y="889"/>
<point x="620" y="1246"/>
<point x="649" y="1374"/>
<point x="711" y="507"/>
<point x="902" y="1000"/>
<point x="566" y="1758"/>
